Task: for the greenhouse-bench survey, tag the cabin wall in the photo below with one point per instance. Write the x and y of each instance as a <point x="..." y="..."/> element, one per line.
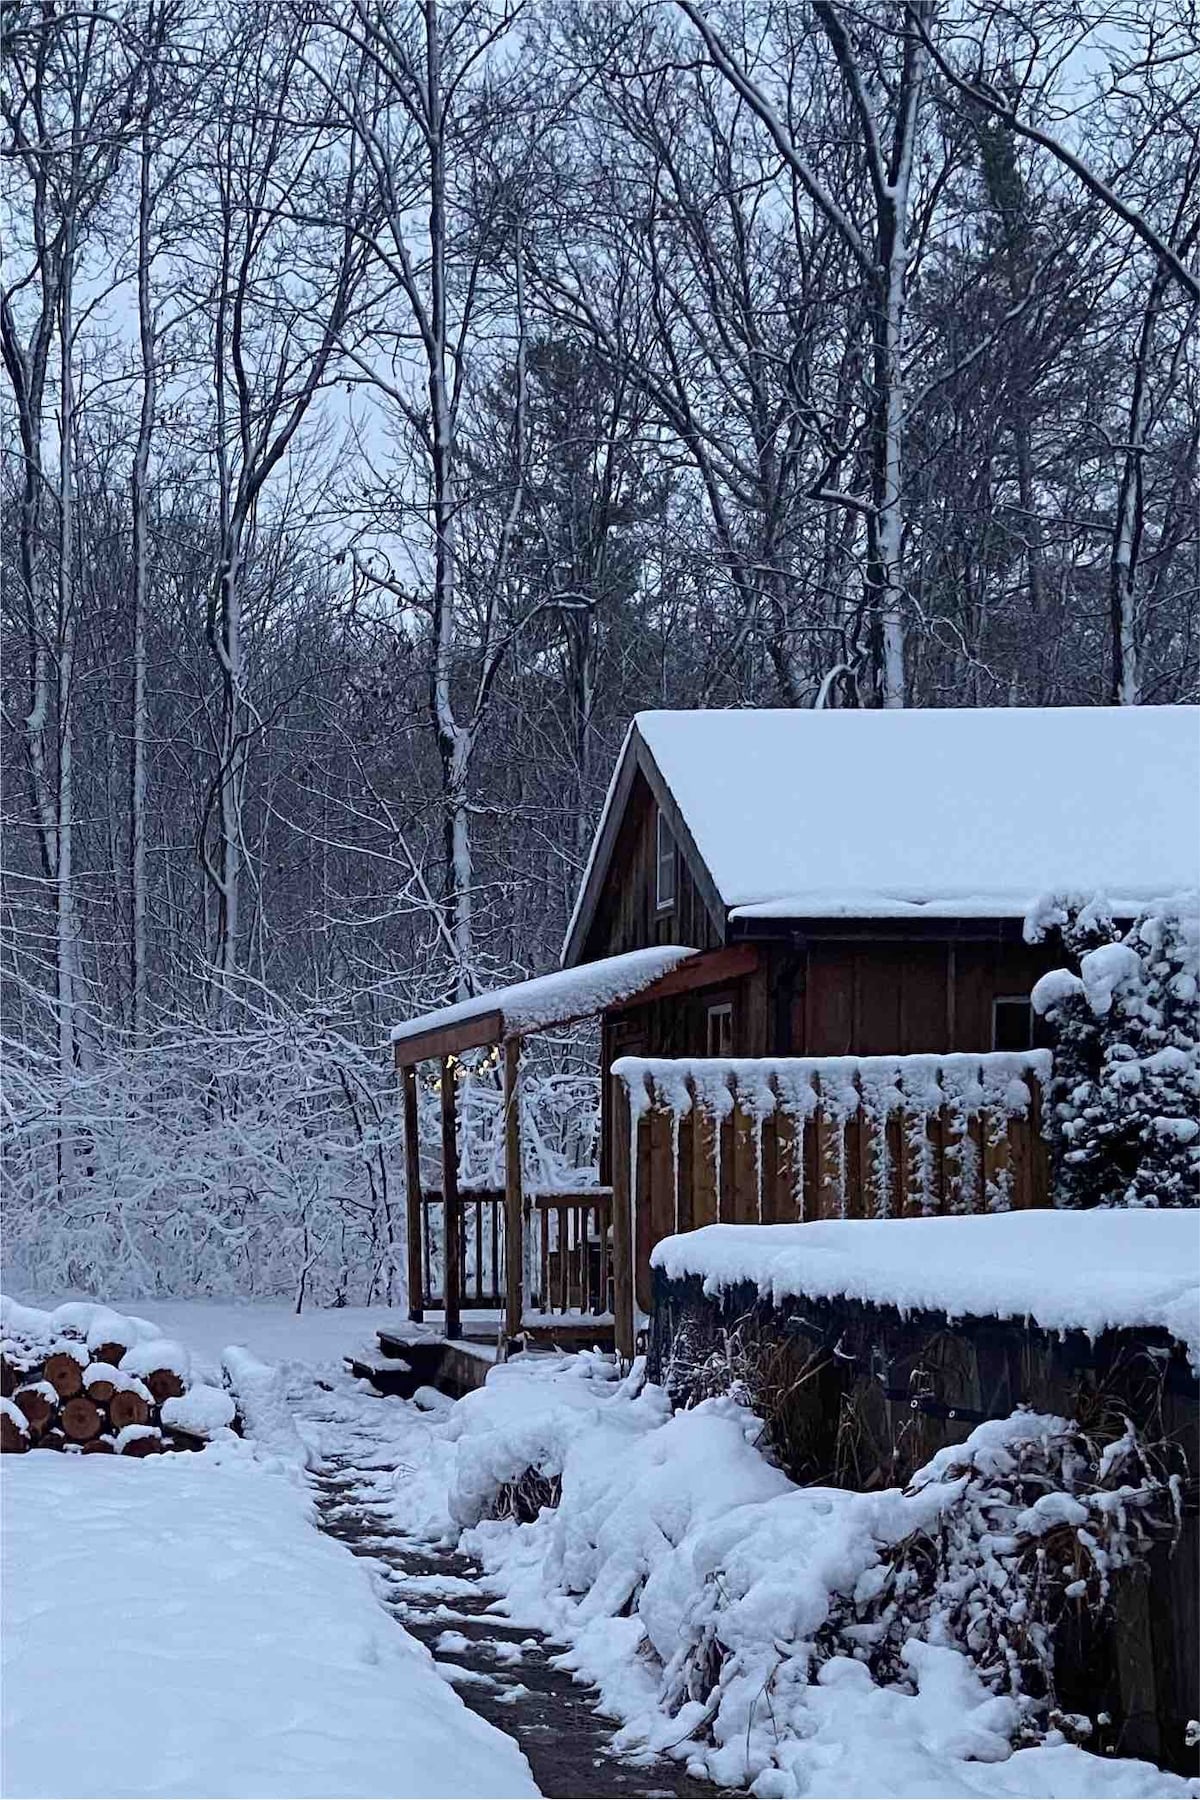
<point x="627" y="917"/>
<point x="900" y="999"/>
<point x="838" y="998"/>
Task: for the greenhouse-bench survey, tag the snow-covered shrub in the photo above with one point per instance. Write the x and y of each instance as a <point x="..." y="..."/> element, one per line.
<point x="263" y="1160"/>
<point x="560" y="1126"/>
<point x="761" y="1631"/>
<point x="1126" y="1021"/>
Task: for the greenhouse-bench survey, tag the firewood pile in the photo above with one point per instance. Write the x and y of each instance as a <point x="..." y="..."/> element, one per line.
<point x="89" y="1380"/>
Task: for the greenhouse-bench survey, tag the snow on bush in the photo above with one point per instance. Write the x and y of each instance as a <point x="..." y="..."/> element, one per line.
<point x="799" y="1640"/>
<point x="259" y="1162"/>
<point x="1126" y="1020"/>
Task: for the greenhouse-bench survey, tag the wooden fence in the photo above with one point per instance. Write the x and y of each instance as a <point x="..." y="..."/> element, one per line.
<point x="774" y="1141"/>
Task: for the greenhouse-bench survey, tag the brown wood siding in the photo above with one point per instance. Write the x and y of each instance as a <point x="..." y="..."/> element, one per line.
<point x="626" y="915"/>
<point x="895" y="999"/>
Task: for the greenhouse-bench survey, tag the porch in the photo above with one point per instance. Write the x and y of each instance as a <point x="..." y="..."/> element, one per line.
<point x="690" y="1142"/>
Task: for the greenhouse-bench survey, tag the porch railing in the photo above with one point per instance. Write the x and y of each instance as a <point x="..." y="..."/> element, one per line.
<point x="566" y="1248"/>
<point x="777" y="1140"/>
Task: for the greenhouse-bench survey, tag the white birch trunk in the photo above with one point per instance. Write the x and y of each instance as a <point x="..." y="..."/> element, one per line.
<point x="141" y="584"/>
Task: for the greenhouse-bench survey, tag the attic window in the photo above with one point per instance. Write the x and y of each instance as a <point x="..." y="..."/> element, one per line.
<point x="664" y="863"/>
<point x="1012" y="1023"/>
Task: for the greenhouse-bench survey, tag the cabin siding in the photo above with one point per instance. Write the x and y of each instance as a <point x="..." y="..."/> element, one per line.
<point x="627" y="917"/>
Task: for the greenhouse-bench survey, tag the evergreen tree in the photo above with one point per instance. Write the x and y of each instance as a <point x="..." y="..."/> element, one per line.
<point x="1126" y="1088"/>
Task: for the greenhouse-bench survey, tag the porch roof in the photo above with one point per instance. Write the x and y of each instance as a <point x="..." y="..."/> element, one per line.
<point x="563" y="997"/>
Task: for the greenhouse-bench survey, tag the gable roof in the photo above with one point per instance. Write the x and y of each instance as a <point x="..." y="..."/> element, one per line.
<point x="950" y="813"/>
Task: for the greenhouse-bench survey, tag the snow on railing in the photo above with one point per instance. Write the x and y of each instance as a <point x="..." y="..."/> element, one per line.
<point x="793" y="1138"/>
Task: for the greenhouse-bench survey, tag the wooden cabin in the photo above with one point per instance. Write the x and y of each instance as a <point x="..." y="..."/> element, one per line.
<point x="782" y="888"/>
<point x="867" y="875"/>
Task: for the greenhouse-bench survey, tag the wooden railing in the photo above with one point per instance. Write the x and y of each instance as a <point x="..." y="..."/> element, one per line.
<point x="572" y="1252"/>
<point x="789" y="1139"/>
<point x="481" y="1248"/>
<point x="567" y="1250"/>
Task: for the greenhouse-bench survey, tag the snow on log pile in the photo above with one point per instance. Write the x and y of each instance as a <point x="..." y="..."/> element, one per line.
<point x="1096" y="1271"/>
<point x="86" y="1379"/>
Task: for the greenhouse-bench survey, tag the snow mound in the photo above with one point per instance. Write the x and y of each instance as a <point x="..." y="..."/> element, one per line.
<point x="203" y="1410"/>
<point x="716" y="1605"/>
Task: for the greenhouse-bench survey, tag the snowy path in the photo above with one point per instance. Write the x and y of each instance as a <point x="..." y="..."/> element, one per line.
<point x="507" y="1673"/>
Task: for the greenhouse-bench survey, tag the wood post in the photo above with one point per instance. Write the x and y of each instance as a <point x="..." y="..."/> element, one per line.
<point x="412" y="1177"/>
<point x="622" y="1222"/>
<point x="513" y="1202"/>
<point x="451" y="1206"/>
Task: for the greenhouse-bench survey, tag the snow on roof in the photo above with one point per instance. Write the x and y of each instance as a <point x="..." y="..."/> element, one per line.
<point x="956" y="813"/>
<point x="1067" y="1271"/>
<point x="555" y="999"/>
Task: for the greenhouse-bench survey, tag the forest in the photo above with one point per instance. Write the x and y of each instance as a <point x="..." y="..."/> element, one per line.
<point x="400" y="394"/>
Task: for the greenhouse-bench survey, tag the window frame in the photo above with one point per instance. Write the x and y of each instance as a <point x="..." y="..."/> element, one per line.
<point x="719" y="1009"/>
<point x="666" y="857"/>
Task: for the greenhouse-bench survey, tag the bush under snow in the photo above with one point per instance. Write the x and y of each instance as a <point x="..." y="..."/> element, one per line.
<point x="1126" y="1022"/>
<point x="800" y="1640"/>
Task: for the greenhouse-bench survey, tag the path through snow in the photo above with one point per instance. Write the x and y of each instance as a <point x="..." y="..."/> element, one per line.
<point x="504" y="1672"/>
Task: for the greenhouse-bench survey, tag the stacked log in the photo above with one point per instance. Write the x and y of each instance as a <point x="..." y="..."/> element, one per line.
<point x="88" y="1381"/>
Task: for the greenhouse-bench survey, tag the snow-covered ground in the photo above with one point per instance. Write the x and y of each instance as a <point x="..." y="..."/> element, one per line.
<point x="177" y="1627"/>
<point x="190" y="1599"/>
<point x="271" y="1330"/>
<point x="674" y="1536"/>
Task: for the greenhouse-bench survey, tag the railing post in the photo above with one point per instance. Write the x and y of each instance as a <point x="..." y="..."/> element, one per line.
<point x="622" y="1221"/>
<point x="451" y="1206"/>
<point x="412" y="1180"/>
<point x="513" y="1201"/>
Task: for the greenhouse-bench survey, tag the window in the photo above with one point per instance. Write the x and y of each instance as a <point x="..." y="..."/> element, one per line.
<point x="664" y="858"/>
<point x="720" y="1030"/>
<point x="1012" y="1023"/>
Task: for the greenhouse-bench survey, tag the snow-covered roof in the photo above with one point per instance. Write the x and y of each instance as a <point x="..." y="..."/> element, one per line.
<point x="956" y="813"/>
<point x="1067" y="1271"/>
<point x="559" y="998"/>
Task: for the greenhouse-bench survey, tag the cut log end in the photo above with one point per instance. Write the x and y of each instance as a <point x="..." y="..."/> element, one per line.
<point x="100" y="1446"/>
<point x="127" y="1408"/>
<point x="108" y="1353"/>
<point x="64" y="1375"/>
<point x="12" y="1439"/>
<point x="164" y="1384"/>
<point x="38" y="1409"/>
<point x="143" y="1446"/>
<point x="82" y="1420"/>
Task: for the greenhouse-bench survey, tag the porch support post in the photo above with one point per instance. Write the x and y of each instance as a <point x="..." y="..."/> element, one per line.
<point x="622" y="1221"/>
<point x="451" y="1206"/>
<point x="514" y="1301"/>
<point x="413" y="1205"/>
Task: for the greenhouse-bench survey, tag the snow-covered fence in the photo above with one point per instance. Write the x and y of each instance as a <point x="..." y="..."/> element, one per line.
<point x="776" y="1140"/>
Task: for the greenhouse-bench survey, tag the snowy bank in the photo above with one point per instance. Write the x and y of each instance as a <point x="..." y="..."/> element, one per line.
<point x="1067" y="1271"/>
<point x="214" y="1643"/>
<point x="729" y="1617"/>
